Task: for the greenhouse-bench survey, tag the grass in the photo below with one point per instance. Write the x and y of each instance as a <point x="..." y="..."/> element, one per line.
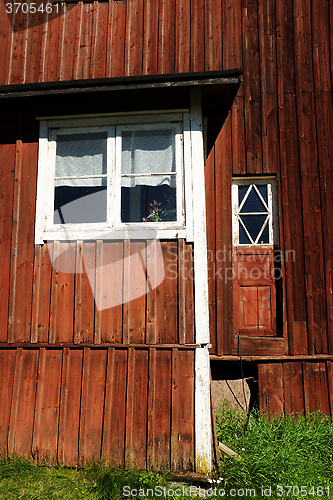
<point x="284" y="450"/>
<point x="294" y="452"/>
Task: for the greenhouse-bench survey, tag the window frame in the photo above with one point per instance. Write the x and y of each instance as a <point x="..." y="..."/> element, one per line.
<point x="113" y="228"/>
<point x="272" y="210"/>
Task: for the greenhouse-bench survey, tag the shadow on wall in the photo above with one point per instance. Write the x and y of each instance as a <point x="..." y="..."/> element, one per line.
<point x="236" y="384"/>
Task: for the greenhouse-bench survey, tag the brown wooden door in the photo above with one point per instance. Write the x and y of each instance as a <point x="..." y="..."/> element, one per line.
<point x="254" y="291"/>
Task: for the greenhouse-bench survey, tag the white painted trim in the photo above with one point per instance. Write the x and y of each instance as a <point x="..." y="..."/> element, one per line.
<point x="199" y="223"/>
<point x="42" y="180"/>
<point x="203" y="423"/>
<point x="188" y="178"/>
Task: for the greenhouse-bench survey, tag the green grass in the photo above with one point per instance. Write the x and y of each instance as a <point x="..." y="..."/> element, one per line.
<point x="284" y="450"/>
<point x="292" y="452"/>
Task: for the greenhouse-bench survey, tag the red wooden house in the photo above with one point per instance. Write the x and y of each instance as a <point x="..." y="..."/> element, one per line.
<point x="166" y="204"/>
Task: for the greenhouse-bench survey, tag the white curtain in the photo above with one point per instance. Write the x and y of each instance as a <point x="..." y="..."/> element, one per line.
<point x="148" y="152"/>
<point x="80" y="155"/>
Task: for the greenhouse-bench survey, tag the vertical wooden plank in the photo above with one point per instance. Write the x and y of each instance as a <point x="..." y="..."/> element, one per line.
<point x="238" y="136"/>
<point x="223" y="269"/>
<point x="150" y="37"/>
<point x="159" y="409"/>
<point x="167" y="297"/>
<point x="84" y="293"/>
<point x="114" y="428"/>
<point x="52" y="45"/>
<point x="116" y="39"/>
<point x="100" y="39"/>
<point x="134" y="38"/>
<point x="233" y="58"/>
<point x="312" y="226"/>
<point x="86" y="47"/>
<point x="324" y="108"/>
<point x="252" y="97"/>
<point x="5" y="39"/>
<point x="92" y="405"/>
<point x="182" y="401"/>
<point x="293" y="387"/>
<point x="329" y="368"/>
<point x="185" y="293"/>
<point x="197" y="35"/>
<point x="7" y="161"/>
<point x="69" y="415"/>
<point x="7" y="366"/>
<point x="271" y="396"/>
<point x="41" y="293"/>
<point x="108" y="291"/>
<point x="22" y="248"/>
<point x="310" y="386"/>
<point x="17" y="47"/>
<point x="62" y="292"/>
<point x="136" y="409"/>
<point x="35" y="30"/>
<point x="267" y="53"/>
<point x="153" y="269"/>
<point x="45" y="433"/>
<point x="213" y="35"/>
<point x="79" y="42"/>
<point x="43" y="50"/>
<point x="166" y="39"/>
<point x="23" y="403"/>
<point x="71" y="20"/>
<point x="290" y="212"/>
<point x="182" y="36"/>
<point x="134" y="293"/>
<point x="316" y="387"/>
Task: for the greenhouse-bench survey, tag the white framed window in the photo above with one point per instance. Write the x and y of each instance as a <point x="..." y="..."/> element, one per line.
<point x="100" y="176"/>
<point x="254" y="211"/>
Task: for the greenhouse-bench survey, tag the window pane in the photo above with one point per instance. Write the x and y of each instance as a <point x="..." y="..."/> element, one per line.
<point x="242" y="190"/>
<point x="253" y="203"/>
<point x="80" y="204"/>
<point x="262" y="188"/>
<point x="253" y="224"/>
<point x="81" y="155"/>
<point x="243" y="237"/>
<point x="148" y="203"/>
<point x="148" y="152"/>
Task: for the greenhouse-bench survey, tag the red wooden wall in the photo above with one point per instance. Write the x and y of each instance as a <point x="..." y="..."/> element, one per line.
<point x="280" y="124"/>
<point x="132" y="407"/>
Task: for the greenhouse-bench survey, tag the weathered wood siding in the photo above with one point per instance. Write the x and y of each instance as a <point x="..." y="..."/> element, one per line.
<point x="279" y="124"/>
<point x="132" y="407"/>
<point x="296" y="387"/>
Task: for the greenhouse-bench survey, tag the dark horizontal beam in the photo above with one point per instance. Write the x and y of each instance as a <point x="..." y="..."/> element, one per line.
<point x="203" y="79"/>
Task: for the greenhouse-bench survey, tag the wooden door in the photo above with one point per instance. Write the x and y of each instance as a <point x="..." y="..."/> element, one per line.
<point x="254" y="292"/>
<point x="254" y="286"/>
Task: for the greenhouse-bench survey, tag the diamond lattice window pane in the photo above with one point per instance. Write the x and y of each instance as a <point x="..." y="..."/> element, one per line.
<point x="254" y="224"/>
<point x="243" y="237"/>
<point x="253" y="203"/>
<point x="242" y="190"/>
<point x="78" y="155"/>
<point x="262" y="188"/>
